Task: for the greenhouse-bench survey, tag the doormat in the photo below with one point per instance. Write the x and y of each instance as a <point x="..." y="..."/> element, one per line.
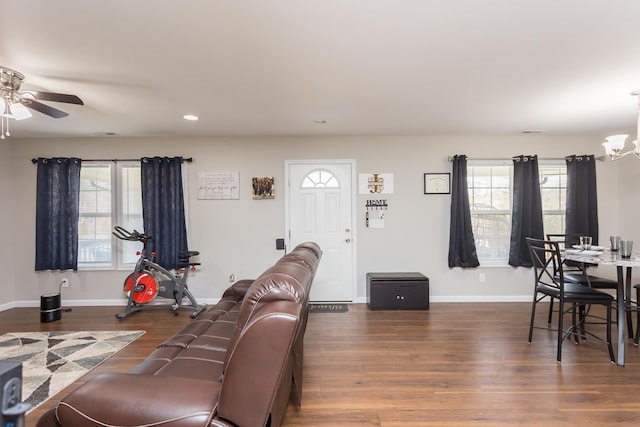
<point x="328" y="308"/>
<point x="53" y="360"/>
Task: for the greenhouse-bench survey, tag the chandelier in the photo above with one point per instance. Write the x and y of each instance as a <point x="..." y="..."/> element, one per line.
<point x="615" y="143"/>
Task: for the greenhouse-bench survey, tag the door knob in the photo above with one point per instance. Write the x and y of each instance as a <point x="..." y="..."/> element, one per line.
<point x="347" y="240"/>
<point x="347" y="230"/>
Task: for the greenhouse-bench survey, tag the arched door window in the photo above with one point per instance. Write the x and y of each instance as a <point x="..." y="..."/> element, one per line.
<point x="320" y="179"/>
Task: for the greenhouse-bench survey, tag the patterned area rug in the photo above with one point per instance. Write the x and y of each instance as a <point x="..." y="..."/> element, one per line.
<point x="328" y="308"/>
<point x="53" y="360"/>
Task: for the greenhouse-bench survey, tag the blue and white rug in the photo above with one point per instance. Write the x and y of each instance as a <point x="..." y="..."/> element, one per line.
<point x="53" y="360"/>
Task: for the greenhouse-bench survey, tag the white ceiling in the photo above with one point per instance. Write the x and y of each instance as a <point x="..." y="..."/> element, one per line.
<point x="366" y="67"/>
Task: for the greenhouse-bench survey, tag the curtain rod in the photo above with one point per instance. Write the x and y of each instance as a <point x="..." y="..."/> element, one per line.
<point x="188" y="160"/>
<point x="600" y="158"/>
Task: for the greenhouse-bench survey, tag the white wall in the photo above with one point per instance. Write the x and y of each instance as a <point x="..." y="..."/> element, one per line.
<point x="238" y="236"/>
<point x="629" y="204"/>
<point x="7" y="232"/>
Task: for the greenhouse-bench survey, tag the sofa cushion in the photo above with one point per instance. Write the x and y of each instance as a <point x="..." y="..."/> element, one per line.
<point x="183" y="402"/>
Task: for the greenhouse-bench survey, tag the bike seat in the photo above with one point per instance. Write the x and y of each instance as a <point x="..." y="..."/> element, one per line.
<point x="183" y="258"/>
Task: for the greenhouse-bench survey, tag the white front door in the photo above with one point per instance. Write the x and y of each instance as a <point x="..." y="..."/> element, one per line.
<point x="319" y="203"/>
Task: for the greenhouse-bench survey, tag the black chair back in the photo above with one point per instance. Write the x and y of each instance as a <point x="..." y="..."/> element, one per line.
<point x="565" y="240"/>
<point x="547" y="260"/>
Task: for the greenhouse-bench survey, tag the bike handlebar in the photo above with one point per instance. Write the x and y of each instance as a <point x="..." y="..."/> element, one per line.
<point x="124" y="234"/>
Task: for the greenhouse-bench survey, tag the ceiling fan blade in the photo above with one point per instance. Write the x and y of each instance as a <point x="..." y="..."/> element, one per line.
<point x="57" y="97"/>
<point x="44" y="109"/>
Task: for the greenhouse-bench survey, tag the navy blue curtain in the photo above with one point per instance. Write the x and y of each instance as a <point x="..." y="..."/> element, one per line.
<point x="163" y="208"/>
<point x="462" y="246"/>
<point x="582" y="198"/>
<point x="57" y="211"/>
<point x="526" y="214"/>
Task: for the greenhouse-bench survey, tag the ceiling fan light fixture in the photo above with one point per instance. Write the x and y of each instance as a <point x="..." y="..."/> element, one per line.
<point x="19" y="111"/>
<point x="16" y="104"/>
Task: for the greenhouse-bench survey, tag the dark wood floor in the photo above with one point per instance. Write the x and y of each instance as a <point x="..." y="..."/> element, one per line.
<point x="456" y="364"/>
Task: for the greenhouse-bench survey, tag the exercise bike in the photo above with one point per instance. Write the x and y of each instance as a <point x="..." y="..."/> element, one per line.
<point x="150" y="280"/>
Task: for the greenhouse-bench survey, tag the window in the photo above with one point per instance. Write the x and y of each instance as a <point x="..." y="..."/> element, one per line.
<point x="320" y="178"/>
<point x="553" y="190"/>
<point x="490" y="200"/>
<point x="94" y="224"/>
<point x="109" y="195"/>
<point x="490" y="204"/>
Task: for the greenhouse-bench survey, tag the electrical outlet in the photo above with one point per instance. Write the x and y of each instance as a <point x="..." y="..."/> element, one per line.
<point x="483" y="278"/>
<point x="65" y="283"/>
<point x="232" y="278"/>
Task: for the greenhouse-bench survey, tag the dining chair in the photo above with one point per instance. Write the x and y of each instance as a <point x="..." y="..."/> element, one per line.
<point x="549" y="283"/>
<point x="576" y="272"/>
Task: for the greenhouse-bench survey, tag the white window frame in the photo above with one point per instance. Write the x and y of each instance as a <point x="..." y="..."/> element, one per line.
<point x="99" y="265"/>
<point x="320" y="179"/>
<point x="503" y="262"/>
<point x="118" y="247"/>
<point x="562" y="164"/>
<point x="493" y="262"/>
<point x="121" y="247"/>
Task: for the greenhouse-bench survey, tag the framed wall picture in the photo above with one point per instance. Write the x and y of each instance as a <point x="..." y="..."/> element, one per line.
<point x="263" y="188"/>
<point x="437" y="183"/>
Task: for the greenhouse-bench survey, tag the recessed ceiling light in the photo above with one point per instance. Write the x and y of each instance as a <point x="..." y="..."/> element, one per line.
<point x="320" y="122"/>
<point x="190" y="117"/>
<point x="532" y="131"/>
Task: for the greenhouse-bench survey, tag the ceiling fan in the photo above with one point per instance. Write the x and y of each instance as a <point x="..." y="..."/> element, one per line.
<point x="13" y="101"/>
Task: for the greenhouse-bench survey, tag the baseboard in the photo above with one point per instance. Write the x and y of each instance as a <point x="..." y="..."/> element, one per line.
<point x="71" y="303"/>
<point x="7" y="306"/>
<point x="482" y="298"/>
<point x="467" y="298"/>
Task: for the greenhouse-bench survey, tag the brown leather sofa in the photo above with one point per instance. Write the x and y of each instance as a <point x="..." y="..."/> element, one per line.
<point x="236" y="364"/>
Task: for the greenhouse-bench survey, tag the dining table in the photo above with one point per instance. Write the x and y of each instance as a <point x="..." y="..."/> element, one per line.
<point x="624" y="266"/>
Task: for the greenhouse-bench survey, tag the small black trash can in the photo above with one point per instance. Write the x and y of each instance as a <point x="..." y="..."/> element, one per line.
<point x="50" y="308"/>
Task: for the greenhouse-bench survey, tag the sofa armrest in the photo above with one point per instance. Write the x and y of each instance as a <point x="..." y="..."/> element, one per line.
<point x="130" y="399"/>
<point x="257" y="364"/>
